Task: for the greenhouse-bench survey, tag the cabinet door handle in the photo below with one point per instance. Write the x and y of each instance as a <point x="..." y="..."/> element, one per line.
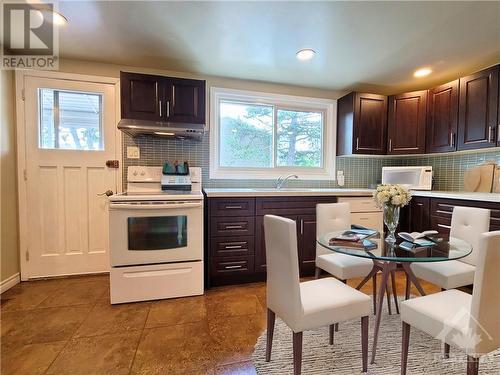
<point x="452" y="139"/>
<point x="168" y="108"/>
<point x="357" y="143"/>
<point x="232" y="267"/>
<point x="498" y="133"/>
<point x="301" y="226"/>
<point x="233" y="207"/>
<point x="233" y="247"/>
<point x="160" y="106"/>
<point x="233" y="227"/>
<point x="444" y="226"/>
<point x="490" y="134"/>
<point x="390" y="144"/>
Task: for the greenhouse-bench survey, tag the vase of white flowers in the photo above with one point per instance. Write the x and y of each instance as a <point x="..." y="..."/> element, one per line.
<point x="391" y="198"/>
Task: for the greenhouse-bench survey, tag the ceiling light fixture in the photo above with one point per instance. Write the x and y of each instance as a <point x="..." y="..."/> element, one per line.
<point x="422" y="72"/>
<point x="54" y="16"/>
<point x="305" y="54"/>
<point x="164" y="133"/>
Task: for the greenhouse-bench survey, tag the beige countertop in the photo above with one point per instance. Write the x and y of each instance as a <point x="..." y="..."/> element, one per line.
<point x="269" y="192"/>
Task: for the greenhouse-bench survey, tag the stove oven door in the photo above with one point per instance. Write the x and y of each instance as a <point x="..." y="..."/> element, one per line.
<point x="155" y="232"/>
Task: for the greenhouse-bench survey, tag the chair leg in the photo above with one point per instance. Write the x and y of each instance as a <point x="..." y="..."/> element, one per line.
<point x="297" y="353"/>
<point x="472" y="365"/>
<point x="374" y="293"/>
<point x="446" y="351"/>
<point x="317" y="273"/>
<point x="364" y="342"/>
<point x="388" y="293"/>
<point x="404" y="347"/>
<point x="394" y="290"/>
<point x="332" y="333"/>
<point x="271" y="317"/>
<point x="407" y="289"/>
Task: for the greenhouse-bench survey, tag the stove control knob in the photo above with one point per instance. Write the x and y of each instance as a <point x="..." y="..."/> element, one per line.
<point x="135" y="173"/>
<point x="143" y="173"/>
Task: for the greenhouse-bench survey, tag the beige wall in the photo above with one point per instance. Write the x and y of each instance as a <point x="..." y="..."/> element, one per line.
<point x="111" y="70"/>
<point x="8" y="190"/>
<point x="9" y="214"/>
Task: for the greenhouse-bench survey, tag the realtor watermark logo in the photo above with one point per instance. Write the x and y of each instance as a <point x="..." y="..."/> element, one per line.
<point x="29" y="36"/>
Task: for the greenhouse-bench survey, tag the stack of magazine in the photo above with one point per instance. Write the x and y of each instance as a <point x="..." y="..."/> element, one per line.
<point x="416" y="240"/>
<point x="356" y="237"/>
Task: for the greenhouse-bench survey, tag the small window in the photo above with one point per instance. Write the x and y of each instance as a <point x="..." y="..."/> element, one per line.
<point x="257" y="135"/>
<point x="70" y="120"/>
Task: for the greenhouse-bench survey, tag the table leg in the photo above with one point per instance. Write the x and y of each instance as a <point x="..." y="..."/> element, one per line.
<point x="412" y="277"/>
<point x="373" y="272"/>
<point x="394" y="291"/>
<point x="386" y="270"/>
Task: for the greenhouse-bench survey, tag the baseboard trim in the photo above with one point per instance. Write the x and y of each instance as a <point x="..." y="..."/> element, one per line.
<point x="10" y="282"/>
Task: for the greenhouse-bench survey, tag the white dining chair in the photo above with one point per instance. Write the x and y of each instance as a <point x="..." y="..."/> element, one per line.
<point x="332" y="217"/>
<point x="457" y="318"/>
<point x="467" y="223"/>
<point x="307" y="305"/>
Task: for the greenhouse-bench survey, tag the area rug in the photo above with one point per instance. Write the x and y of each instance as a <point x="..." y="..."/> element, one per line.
<point x="344" y="357"/>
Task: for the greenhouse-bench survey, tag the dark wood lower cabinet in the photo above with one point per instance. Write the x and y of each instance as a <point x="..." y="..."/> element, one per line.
<point x="236" y="245"/>
<point x="435" y="213"/>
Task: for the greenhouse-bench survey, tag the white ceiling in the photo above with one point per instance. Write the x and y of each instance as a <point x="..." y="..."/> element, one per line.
<point x="362" y="45"/>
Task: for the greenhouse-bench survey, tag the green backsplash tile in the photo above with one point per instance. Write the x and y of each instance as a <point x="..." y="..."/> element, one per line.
<point x="360" y="172"/>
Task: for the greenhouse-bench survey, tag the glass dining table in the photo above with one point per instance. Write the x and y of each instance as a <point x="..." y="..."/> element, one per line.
<point x="386" y="258"/>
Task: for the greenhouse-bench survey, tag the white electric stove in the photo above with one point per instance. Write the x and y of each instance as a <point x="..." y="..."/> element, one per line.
<point x="156" y="236"/>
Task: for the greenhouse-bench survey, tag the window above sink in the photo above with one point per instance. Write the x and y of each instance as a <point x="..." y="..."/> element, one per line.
<point x="261" y="136"/>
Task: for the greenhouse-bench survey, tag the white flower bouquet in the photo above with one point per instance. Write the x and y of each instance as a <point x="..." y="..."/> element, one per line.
<point x="395" y="195"/>
<point x="391" y="198"/>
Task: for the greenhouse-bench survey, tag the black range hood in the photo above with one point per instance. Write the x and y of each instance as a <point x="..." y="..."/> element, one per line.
<point x="162" y="129"/>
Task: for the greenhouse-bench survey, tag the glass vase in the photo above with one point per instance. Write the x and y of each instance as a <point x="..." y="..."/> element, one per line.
<point x="391" y="221"/>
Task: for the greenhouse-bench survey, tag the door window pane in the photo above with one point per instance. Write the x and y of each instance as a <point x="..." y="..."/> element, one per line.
<point x="246" y="135"/>
<point x="299" y="138"/>
<point x="70" y="120"/>
<point x="157" y="232"/>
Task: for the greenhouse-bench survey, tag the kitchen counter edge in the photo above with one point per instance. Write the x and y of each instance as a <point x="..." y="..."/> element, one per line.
<point x="236" y="192"/>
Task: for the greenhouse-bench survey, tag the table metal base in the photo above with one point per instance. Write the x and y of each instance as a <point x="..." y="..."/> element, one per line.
<point x="388" y="269"/>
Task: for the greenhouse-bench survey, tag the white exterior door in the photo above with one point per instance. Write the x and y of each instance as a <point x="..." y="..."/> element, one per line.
<point x="70" y="134"/>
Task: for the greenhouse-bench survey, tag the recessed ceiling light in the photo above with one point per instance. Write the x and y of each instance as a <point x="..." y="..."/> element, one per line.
<point x="422" y="72"/>
<point x="306" y="54"/>
<point x="53" y="15"/>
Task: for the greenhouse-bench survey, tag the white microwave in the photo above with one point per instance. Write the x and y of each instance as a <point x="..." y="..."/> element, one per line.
<point x="415" y="178"/>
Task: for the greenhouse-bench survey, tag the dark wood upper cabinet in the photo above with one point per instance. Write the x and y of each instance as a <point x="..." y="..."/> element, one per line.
<point x="478" y="110"/>
<point x="406" y="123"/>
<point x="158" y="98"/>
<point x="141" y="96"/>
<point x="362" y="124"/>
<point x="185" y="100"/>
<point x="442" y="118"/>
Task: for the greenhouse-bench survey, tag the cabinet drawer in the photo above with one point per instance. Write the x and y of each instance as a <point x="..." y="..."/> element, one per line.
<point x="441" y="224"/>
<point x="231" y="246"/>
<point x="373" y="220"/>
<point x="360" y="204"/>
<point x="232" y="226"/>
<point x="232" y="206"/>
<point x="231" y="266"/>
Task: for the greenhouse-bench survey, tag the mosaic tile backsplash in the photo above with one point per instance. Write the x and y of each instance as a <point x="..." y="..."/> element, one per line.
<point x="360" y="172"/>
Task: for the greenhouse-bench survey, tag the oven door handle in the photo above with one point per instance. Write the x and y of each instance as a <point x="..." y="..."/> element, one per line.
<point x="161" y="206"/>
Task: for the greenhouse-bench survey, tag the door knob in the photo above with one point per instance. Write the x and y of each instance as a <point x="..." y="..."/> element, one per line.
<point x="107" y="193"/>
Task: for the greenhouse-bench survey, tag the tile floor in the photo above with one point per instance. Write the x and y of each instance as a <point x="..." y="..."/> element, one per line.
<point x="67" y="326"/>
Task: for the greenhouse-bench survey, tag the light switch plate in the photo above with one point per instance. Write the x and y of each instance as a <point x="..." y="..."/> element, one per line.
<point x="133" y="152"/>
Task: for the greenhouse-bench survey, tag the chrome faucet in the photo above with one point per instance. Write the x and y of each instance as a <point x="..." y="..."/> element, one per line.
<point x="280" y="181"/>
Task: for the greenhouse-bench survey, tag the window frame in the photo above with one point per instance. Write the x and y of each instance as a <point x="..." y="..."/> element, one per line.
<point x="278" y="101"/>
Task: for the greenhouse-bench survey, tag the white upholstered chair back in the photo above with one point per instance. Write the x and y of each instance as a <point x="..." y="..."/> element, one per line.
<point x="283" y="283"/>
<point x="331" y="217"/>
<point x="485" y="308"/>
<point x="468" y="223"/>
